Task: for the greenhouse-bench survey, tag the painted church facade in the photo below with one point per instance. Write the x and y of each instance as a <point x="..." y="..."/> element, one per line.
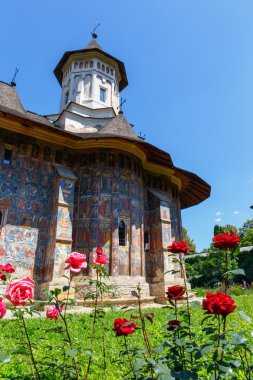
<point x="82" y="179"/>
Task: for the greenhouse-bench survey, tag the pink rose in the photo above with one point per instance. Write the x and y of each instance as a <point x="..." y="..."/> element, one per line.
<point x="53" y="312"/>
<point x="76" y="262"/>
<point x="100" y="260"/>
<point x="19" y="291"/>
<point x="2" y="308"/>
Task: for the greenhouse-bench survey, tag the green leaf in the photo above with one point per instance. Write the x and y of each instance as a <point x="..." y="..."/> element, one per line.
<point x="57" y="291"/>
<point x="65" y="288"/>
<point x="180" y="342"/>
<point x="196" y="304"/>
<point x="245" y="317"/>
<point x="138" y="364"/>
<point x="161" y="369"/>
<point x="5" y="358"/>
<point x="206" y="348"/>
<point x="235" y="271"/>
<point x="72" y="352"/>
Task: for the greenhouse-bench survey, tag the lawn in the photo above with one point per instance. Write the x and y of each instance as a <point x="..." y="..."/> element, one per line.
<point x="47" y="339"/>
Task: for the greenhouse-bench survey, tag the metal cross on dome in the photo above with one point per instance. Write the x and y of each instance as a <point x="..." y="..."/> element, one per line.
<point x="97" y="24"/>
<point x="122" y="101"/>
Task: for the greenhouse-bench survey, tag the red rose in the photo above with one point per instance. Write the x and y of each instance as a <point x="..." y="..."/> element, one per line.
<point x="76" y="262"/>
<point x="2" y="308"/>
<point x="99" y="251"/>
<point x="179" y="246"/>
<point x="100" y="260"/>
<point x="226" y="240"/>
<point x="7" y="268"/>
<point x="53" y="312"/>
<point x="20" y="291"/>
<point x="175" y="292"/>
<point x="218" y="304"/>
<point x="124" y="327"/>
<point x="173" y="324"/>
<point x="3" y="277"/>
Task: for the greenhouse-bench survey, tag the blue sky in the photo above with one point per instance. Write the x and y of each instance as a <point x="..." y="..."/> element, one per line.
<point x="190" y="71"/>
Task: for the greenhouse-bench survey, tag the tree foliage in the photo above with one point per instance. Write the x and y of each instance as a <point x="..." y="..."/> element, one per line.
<point x="246" y="233"/>
<point x="189" y="241"/>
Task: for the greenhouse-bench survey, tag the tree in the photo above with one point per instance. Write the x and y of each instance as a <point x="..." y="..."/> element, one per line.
<point x="246" y="233"/>
<point x="186" y="237"/>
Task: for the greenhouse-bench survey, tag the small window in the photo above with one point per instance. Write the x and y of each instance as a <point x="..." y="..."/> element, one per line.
<point x="122" y="233"/>
<point x="58" y="157"/>
<point x="1" y="218"/>
<point x="121" y="161"/>
<point x="80" y="65"/>
<point x="7" y="156"/>
<point x="86" y="64"/>
<point x="103" y="67"/>
<point x="107" y="69"/>
<point x="76" y="65"/>
<point x="98" y="65"/>
<point x="102" y="94"/>
<point x="111" y="71"/>
<point x="91" y="64"/>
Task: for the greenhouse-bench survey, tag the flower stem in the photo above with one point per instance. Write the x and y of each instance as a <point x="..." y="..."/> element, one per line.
<point x="128" y="355"/>
<point x="103" y="326"/>
<point x="63" y="317"/>
<point x="93" y="328"/>
<point x="37" y="376"/>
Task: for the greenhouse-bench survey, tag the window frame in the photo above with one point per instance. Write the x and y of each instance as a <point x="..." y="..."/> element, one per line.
<point x="103" y="91"/>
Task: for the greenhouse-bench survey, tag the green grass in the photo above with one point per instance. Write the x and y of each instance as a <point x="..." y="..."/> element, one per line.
<point x="48" y="344"/>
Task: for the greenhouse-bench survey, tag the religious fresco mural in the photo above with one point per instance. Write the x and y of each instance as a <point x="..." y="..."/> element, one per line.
<point x="29" y="184"/>
<point x="64" y="223"/>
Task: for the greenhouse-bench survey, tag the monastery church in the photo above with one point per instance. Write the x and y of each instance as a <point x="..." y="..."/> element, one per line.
<point x="81" y="179"/>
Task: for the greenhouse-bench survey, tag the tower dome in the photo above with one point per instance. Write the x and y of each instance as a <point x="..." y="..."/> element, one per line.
<point x="91" y="77"/>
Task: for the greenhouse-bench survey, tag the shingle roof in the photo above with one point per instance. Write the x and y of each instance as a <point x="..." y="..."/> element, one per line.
<point x="93" y="45"/>
<point x="11" y="104"/>
<point x="120" y="127"/>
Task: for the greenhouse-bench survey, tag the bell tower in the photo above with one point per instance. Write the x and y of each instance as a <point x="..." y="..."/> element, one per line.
<point x="91" y="77"/>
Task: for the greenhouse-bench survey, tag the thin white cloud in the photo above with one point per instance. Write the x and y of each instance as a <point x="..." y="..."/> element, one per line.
<point x="236" y="212"/>
<point x="217" y="220"/>
<point x="219" y="213"/>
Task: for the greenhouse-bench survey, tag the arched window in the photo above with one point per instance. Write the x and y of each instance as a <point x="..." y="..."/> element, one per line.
<point x="111" y="71"/>
<point x="47" y="154"/>
<point x="122" y="233"/>
<point x="103" y="67"/>
<point x="35" y="151"/>
<point x="107" y="69"/>
<point x="98" y="65"/>
<point x="86" y="64"/>
<point x="80" y="65"/>
<point x="91" y="64"/>
<point x="58" y="157"/>
<point x="76" y="65"/>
